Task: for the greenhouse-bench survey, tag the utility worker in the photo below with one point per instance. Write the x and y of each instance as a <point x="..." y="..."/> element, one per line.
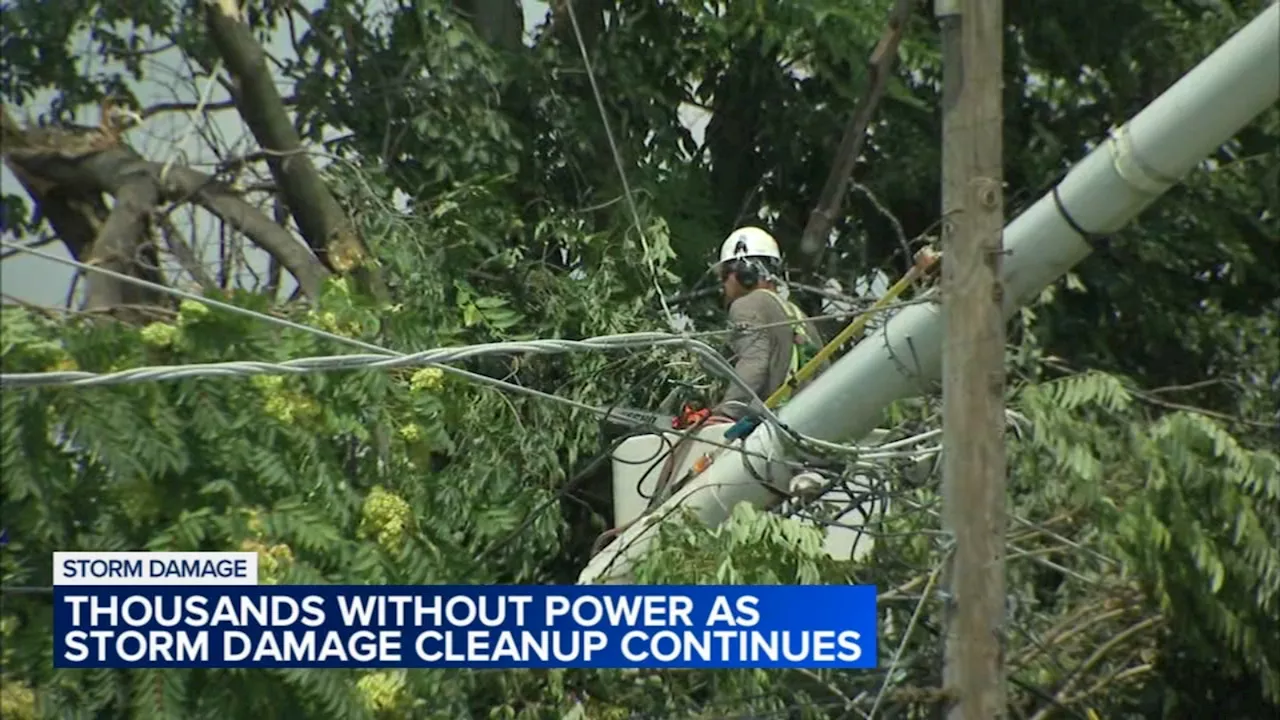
<point x="773" y="338"/>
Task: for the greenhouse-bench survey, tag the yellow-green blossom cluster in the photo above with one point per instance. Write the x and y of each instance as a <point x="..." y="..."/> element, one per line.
<point x="382" y="690"/>
<point x="427" y="380"/>
<point x="190" y="311"/>
<point x="17" y="699"/>
<point x="160" y="335"/>
<point x="282" y="404"/>
<point x="385" y="517"/>
<point x="273" y="560"/>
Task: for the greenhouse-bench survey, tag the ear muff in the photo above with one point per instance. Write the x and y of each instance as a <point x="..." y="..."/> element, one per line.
<point x="748" y="273"/>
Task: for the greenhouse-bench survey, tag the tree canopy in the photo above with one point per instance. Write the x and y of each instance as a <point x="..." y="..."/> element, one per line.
<point x="435" y="173"/>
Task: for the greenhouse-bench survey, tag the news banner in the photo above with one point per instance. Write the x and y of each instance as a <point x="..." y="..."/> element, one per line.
<point x="206" y="610"/>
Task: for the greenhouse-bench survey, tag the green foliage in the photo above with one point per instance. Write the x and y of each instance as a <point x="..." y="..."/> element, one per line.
<point x="362" y="477"/>
<point x="1193" y="513"/>
<point x="750" y="548"/>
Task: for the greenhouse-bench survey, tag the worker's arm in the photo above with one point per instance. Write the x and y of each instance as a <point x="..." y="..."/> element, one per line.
<point x="751" y="349"/>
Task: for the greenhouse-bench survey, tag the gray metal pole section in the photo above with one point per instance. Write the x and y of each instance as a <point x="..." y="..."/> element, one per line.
<point x="1101" y="194"/>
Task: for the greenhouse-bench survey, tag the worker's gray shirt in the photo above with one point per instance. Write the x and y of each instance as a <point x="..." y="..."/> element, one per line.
<point x="761" y="343"/>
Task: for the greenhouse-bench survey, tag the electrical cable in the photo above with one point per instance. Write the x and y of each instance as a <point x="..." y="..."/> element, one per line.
<point x="617" y="160"/>
<point x="661" y="513"/>
<point x="379" y="354"/>
<point x="380" y="357"/>
<point x="382" y="360"/>
<point x="666" y="447"/>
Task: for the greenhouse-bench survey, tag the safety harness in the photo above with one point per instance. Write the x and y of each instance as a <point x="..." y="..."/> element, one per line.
<point x="803" y="347"/>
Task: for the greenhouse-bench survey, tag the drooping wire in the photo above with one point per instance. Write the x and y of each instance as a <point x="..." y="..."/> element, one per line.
<point x="381" y="357"/>
<point x="617" y="161"/>
<point x="592" y="465"/>
<point x="382" y="360"/>
<point x="384" y="356"/>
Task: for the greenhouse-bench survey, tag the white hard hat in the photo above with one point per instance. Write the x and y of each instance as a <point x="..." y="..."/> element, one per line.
<point x="749" y="242"/>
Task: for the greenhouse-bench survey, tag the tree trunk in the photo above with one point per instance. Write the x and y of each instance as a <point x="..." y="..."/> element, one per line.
<point x="816" y="233"/>
<point x="320" y="218"/>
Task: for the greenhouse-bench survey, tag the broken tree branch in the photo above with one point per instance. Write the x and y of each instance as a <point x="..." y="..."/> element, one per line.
<point x="168" y="107"/>
<point x="119" y="242"/>
<point x="75" y="219"/>
<point x="79" y="216"/>
<point x="248" y="220"/>
<point x="320" y="218"/>
<point x="880" y="66"/>
<point x="64" y="164"/>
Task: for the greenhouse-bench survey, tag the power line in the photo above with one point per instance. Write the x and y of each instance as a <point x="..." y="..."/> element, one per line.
<point x="617" y="161"/>
<point x="381" y="357"/>
<point x="379" y="361"/>
<point x="185" y="295"/>
<point x="285" y="323"/>
<point x="384" y="355"/>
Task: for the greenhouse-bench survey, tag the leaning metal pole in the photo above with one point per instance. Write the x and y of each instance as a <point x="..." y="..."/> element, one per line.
<point x="1106" y="190"/>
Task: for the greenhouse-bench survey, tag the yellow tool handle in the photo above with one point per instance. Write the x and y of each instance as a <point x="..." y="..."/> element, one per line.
<point x="925" y="260"/>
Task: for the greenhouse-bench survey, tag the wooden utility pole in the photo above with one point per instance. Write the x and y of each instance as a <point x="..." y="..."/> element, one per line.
<point x="973" y="374"/>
